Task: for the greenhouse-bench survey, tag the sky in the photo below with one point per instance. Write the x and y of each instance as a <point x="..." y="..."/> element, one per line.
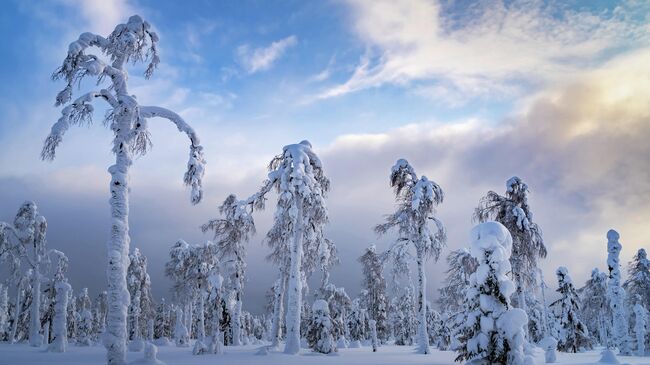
<point x="470" y="92"/>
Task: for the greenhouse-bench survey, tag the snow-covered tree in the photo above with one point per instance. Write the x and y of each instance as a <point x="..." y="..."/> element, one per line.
<point x="140" y="306"/>
<point x="596" y="311"/>
<point x="4" y="311"/>
<point x="402" y="317"/>
<point x="616" y="295"/>
<point x="513" y="211"/>
<point x="572" y="335"/>
<point x="85" y="327"/>
<point x="494" y="331"/>
<point x="374" y="341"/>
<point x="374" y="294"/>
<point x="452" y="295"/>
<point x="134" y="42"/>
<point x="320" y="333"/>
<point x="417" y="199"/>
<point x="181" y="336"/>
<point x="297" y="232"/>
<point x="230" y="234"/>
<point x="640" y="317"/>
<point x="216" y="341"/>
<point x="357" y="323"/>
<point x="638" y="279"/>
<point x="60" y="319"/>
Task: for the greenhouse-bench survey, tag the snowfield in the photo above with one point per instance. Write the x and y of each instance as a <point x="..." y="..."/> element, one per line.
<point x="23" y="354"/>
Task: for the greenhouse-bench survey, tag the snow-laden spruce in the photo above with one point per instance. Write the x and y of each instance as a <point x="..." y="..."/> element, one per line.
<point x="230" y="234"/>
<point x="595" y="309"/>
<point x="141" y="305"/>
<point x="572" y="335"/>
<point x="638" y="280"/>
<point x="133" y="42"/>
<point x="616" y="295"/>
<point x="320" y="332"/>
<point x="494" y="331"/>
<point x="417" y="198"/>
<point x="373" y="297"/>
<point x="513" y="211"/>
<point x="640" y="330"/>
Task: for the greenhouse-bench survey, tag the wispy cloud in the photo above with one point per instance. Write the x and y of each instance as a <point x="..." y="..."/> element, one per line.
<point x="496" y="44"/>
<point x="260" y="59"/>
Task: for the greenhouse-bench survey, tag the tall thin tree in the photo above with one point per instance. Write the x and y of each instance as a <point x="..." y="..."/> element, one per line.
<point x="417" y="199"/>
<point x="133" y="42"/>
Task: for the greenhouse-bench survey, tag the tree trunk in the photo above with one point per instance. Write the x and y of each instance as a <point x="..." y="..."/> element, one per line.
<point x="118" y="245"/>
<point x="18" y="305"/>
<point x="278" y="310"/>
<point x="294" y="294"/>
<point x="35" y="338"/>
<point x="201" y="329"/>
<point x="423" y="335"/>
<point x="236" y="322"/>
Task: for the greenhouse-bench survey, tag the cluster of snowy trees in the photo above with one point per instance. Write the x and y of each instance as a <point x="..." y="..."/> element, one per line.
<point x="493" y="306"/>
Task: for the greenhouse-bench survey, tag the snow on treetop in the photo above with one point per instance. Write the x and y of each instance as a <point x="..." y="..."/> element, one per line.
<point x="320" y="305"/>
<point x="612" y="235"/>
<point x="563" y="274"/>
<point x="486" y="236"/>
<point x="513" y="182"/>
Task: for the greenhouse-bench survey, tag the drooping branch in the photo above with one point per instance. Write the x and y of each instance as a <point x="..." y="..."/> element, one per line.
<point x="196" y="163"/>
<point x="78" y="113"/>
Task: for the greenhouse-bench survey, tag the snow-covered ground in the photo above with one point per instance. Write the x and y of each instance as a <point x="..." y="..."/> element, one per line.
<point x="23" y="354"/>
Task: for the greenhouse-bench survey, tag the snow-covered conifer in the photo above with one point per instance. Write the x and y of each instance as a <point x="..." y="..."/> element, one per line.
<point x="85" y="327"/>
<point x="372" y="324"/>
<point x="357" y="322"/>
<point x="616" y="295"/>
<point x="402" y="317"/>
<point x="417" y="199"/>
<point x="133" y="41"/>
<point x="640" y="316"/>
<point x="572" y="335"/>
<point x="494" y="331"/>
<point x="596" y="311"/>
<point x="638" y="279"/>
<point x="461" y="265"/>
<point x="513" y="211"/>
<point x="230" y="234"/>
<point x="140" y="306"/>
<point x="60" y="321"/>
<point x="320" y="333"/>
<point x="181" y="336"/>
<point x="374" y="294"/>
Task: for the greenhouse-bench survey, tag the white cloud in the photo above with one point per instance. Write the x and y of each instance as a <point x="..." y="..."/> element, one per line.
<point x="263" y="58"/>
<point x="102" y="16"/>
<point x="495" y="44"/>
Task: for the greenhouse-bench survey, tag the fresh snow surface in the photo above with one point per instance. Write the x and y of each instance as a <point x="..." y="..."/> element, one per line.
<point x="23" y="354"/>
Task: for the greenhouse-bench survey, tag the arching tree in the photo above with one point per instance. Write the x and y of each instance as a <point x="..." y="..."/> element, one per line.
<point x="513" y="211"/>
<point x="616" y="294"/>
<point x="134" y="42"/>
<point x="417" y="199"/>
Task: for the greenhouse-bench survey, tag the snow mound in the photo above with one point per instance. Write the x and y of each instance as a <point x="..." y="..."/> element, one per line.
<point x="150" y="356"/>
<point x="608" y="356"/>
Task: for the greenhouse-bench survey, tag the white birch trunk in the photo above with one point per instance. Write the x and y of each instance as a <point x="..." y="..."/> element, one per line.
<point x="294" y="294"/>
<point x="278" y="311"/>
<point x="423" y="336"/>
<point x="35" y="338"/>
